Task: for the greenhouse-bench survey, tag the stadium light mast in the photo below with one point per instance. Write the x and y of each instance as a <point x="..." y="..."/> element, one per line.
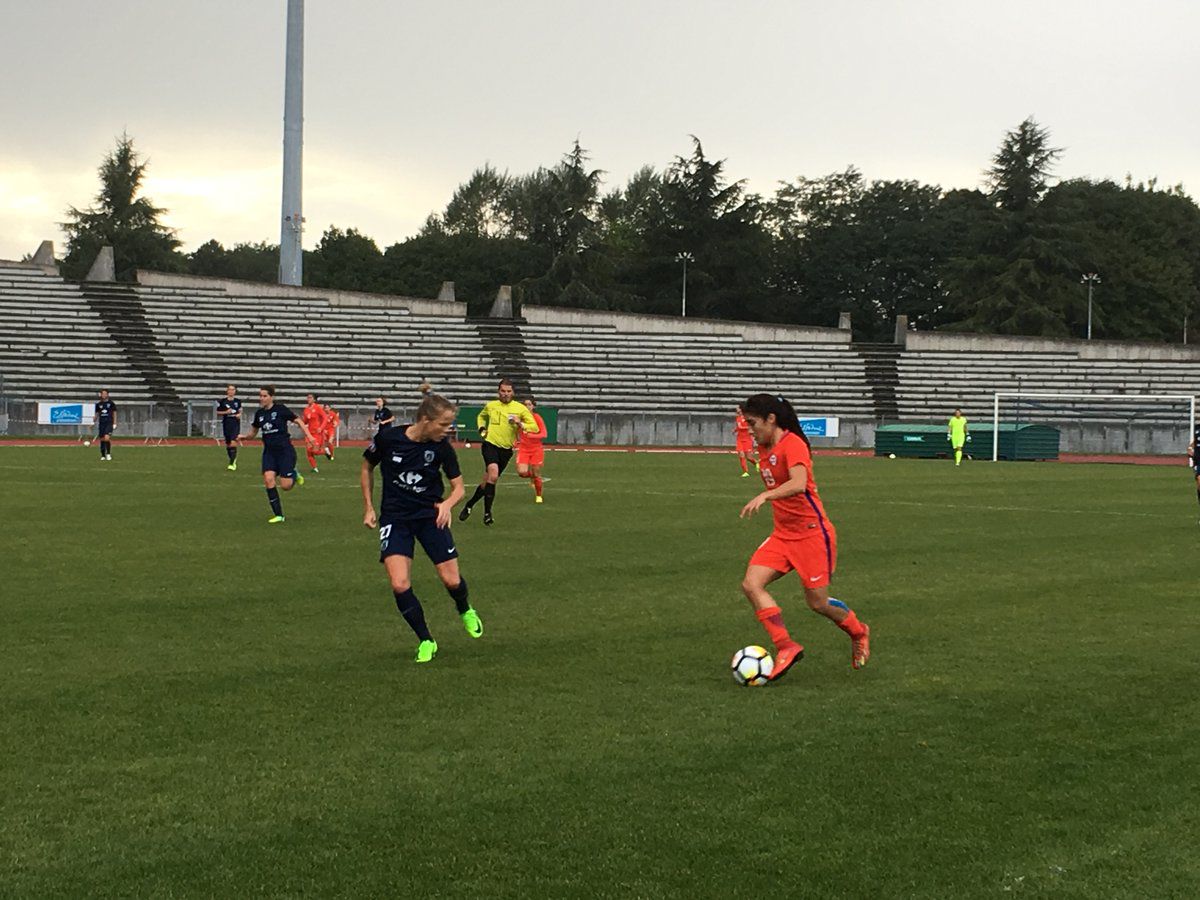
<point x="684" y="257"/>
<point x="1091" y="279"/>
<point x="291" y="252"/>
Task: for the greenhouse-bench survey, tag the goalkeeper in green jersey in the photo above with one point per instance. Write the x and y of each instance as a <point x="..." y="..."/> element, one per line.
<point x="956" y="434"/>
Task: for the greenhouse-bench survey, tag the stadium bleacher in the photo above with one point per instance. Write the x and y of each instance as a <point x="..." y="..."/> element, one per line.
<point x="172" y="342"/>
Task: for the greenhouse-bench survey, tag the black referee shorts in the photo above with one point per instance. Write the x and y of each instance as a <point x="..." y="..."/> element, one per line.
<point x="497" y="456"/>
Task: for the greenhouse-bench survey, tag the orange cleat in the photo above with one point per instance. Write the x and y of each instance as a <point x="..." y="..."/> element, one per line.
<point x="860" y="649"/>
<point x="785" y="657"/>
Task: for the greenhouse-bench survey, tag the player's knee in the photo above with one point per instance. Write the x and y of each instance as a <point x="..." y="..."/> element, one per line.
<point x="269" y="479"/>
<point x="816" y="600"/>
<point x="400" y="585"/>
<point x="750" y="588"/>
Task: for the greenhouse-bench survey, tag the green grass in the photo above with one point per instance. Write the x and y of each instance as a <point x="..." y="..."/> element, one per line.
<point x="197" y="704"/>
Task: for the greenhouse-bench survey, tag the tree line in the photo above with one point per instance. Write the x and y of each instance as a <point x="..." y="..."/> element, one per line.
<point x="1005" y="258"/>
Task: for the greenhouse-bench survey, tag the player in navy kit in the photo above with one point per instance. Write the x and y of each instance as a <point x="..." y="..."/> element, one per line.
<point x="1194" y="456"/>
<point x="382" y="417"/>
<point x="279" y="456"/>
<point x="106" y="421"/>
<point x="411" y="459"/>
<point x="229" y="410"/>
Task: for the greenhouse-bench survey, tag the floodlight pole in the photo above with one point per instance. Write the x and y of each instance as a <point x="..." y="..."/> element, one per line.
<point x="1091" y="279"/>
<point x="684" y="257"/>
<point x="291" y="252"/>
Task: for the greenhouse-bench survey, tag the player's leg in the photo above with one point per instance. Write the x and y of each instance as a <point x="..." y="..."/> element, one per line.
<point x="1197" y="471"/>
<point x="958" y="451"/>
<point x="271" y="483"/>
<point x="309" y="451"/>
<point x="489" y="490"/>
<point x="439" y="545"/>
<point x="536" y="470"/>
<point x="481" y="488"/>
<point x="394" y="539"/>
<point x="231" y="451"/>
<point x="843" y="616"/>
<point x="766" y="566"/>
<point x="815" y="559"/>
<point x="741" y="455"/>
<point x="288" y="476"/>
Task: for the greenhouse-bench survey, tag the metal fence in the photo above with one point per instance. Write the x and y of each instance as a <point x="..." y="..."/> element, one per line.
<point x="19" y="417"/>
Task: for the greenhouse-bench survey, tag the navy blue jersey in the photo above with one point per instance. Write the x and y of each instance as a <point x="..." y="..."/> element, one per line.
<point x="230" y="406"/>
<point x="412" y="482"/>
<point x="105" y="409"/>
<point x="380" y="416"/>
<point x="273" y="423"/>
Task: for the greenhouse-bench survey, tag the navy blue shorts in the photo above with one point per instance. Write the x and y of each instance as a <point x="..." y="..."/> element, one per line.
<point x="231" y="428"/>
<point x="104" y="427"/>
<point x="399" y="537"/>
<point x="281" y="460"/>
<point x="496" y="456"/>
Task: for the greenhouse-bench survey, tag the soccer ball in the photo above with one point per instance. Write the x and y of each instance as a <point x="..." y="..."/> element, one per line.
<point x="752" y="666"/>
<point x="891" y="456"/>
<point x="87" y="443"/>
<point x="468" y="445"/>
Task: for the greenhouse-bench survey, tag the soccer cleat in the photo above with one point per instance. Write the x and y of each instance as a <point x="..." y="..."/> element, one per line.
<point x="299" y="480"/>
<point x="232" y="467"/>
<point x="274" y="520"/>
<point x="487" y="518"/>
<point x="465" y="514"/>
<point x="426" y="651"/>
<point x="745" y="474"/>
<point x="785" y="657"/>
<point x="316" y="471"/>
<point x="537" y="499"/>
<point x="472" y="623"/>
<point x="860" y="649"/>
<point x="329" y="454"/>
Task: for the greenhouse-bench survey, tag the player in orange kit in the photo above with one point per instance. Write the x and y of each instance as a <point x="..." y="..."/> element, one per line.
<point x="314" y="417"/>
<point x="743" y="441"/>
<point x="333" y="421"/>
<point x="804" y="539"/>
<point x="530" y="454"/>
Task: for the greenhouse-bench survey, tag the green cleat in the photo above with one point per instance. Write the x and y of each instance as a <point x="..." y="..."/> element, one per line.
<point x="231" y="467"/>
<point x="426" y="651"/>
<point x="299" y="480"/>
<point x="472" y="623"/>
<point x="274" y="520"/>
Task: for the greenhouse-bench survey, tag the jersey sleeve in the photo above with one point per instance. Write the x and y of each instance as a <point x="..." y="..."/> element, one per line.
<point x="481" y="420"/>
<point x="374" y="452"/>
<point x="541" y="424"/>
<point x="528" y="424"/>
<point x="450" y="460"/>
<point x="798" y="454"/>
<point x="287" y="414"/>
<point x="385" y="414"/>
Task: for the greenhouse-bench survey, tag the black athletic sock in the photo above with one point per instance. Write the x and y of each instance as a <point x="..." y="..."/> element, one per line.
<point x="479" y="492"/>
<point x="459" y="595"/>
<point x="232" y="451"/>
<point x="101" y="448"/>
<point x="1198" y="494"/>
<point x="105" y="448"/>
<point x="414" y="615"/>
<point x="489" y="495"/>
<point x="273" y="496"/>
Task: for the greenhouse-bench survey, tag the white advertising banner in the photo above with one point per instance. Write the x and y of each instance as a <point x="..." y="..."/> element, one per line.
<point x="67" y="412"/>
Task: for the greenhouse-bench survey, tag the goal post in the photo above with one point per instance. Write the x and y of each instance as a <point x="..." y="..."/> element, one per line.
<point x="1042" y="400"/>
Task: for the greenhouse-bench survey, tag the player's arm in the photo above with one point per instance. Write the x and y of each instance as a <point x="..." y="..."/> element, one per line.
<point x="481" y="421"/>
<point x="389" y="420"/>
<point x="457" y="492"/>
<point x="307" y="434"/>
<point x="250" y="436"/>
<point x="528" y="423"/>
<point x="366" y="480"/>
<point x="797" y="483"/>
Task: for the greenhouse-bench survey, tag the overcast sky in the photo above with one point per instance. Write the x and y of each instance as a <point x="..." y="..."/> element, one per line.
<point x="404" y="100"/>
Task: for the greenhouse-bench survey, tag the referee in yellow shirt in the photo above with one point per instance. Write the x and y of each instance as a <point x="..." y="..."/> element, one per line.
<point x="956" y="434"/>
<point x="498" y="423"/>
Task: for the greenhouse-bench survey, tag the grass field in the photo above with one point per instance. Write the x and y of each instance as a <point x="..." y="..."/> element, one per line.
<point x="197" y="704"/>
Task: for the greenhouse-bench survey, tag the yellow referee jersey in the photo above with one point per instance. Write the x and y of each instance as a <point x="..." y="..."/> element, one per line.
<point x="494" y="425"/>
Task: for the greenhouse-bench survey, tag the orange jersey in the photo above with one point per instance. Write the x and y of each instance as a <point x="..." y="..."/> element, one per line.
<point x="532" y="440"/>
<point x="795" y="516"/>
<point x="314" y="417"/>
<point x="741" y="427"/>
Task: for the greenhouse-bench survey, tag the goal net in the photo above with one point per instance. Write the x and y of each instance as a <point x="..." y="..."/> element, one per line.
<point x="1150" y="424"/>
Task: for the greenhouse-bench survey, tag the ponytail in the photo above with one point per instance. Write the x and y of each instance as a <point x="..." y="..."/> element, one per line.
<point x="763" y="405"/>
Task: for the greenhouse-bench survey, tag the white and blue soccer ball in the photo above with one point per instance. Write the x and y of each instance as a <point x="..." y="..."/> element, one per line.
<point x="752" y="666"/>
<point x="87" y="443"/>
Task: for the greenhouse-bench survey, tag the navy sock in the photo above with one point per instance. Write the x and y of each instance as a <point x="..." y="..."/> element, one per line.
<point x="479" y="492"/>
<point x="102" y="443"/>
<point x="414" y="615"/>
<point x="232" y="451"/>
<point x="105" y="448"/>
<point x="459" y="595"/>
<point x="273" y="496"/>
<point x="489" y="495"/>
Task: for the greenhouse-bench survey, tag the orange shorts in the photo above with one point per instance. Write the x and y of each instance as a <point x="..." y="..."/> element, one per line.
<point x="814" y="557"/>
<point x="742" y="446"/>
<point x="534" y="456"/>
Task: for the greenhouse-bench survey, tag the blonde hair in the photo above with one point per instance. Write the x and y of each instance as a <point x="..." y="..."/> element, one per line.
<point x="433" y="406"/>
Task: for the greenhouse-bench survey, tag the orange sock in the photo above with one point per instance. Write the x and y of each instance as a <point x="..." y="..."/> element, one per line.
<point x="742" y="460"/>
<point x="537" y="485"/>
<point x="772" y="620"/>
<point x="312" y="460"/>
<point x="851" y="625"/>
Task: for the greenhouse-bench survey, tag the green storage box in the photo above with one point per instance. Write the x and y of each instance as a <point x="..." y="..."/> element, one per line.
<point x="916" y="441"/>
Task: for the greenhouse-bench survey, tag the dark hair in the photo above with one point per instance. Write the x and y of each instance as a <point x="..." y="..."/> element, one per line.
<point x="433" y="406"/>
<point x="762" y="405"/>
<point x="503" y="382"/>
<point x="269" y="388"/>
<point x="529" y="400"/>
<point x="383" y="398"/>
<point x="313" y="395"/>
